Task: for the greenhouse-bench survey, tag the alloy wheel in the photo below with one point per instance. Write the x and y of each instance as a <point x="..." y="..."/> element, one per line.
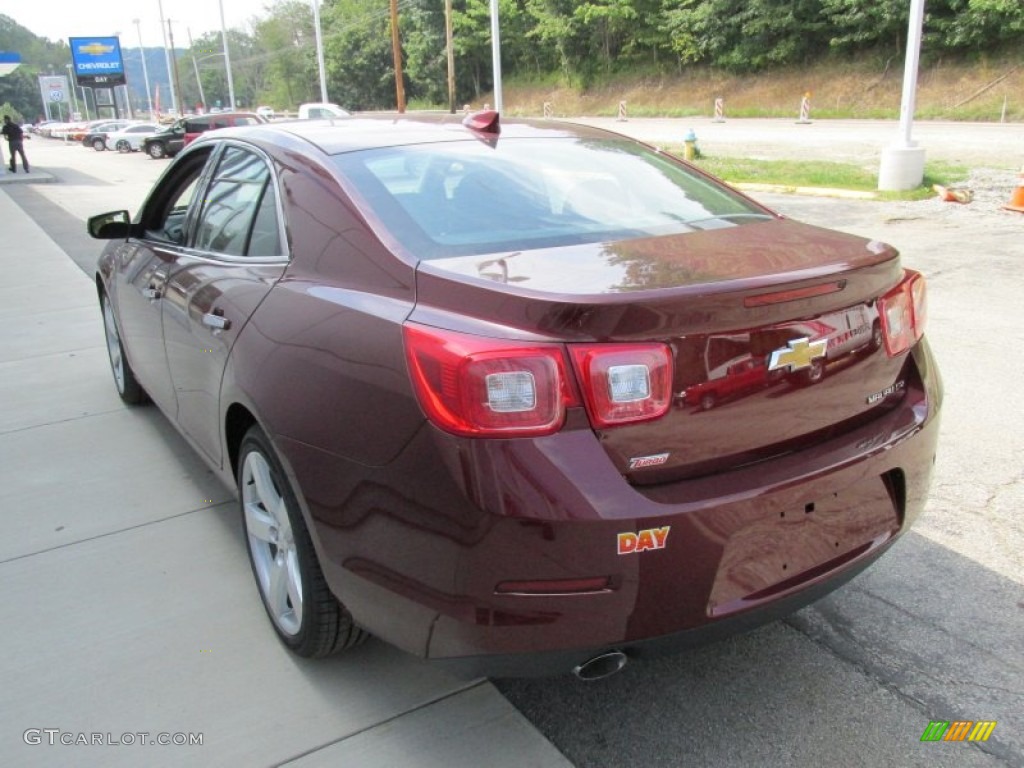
<point x="272" y="544"/>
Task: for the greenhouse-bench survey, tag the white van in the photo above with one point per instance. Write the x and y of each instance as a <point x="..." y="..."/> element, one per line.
<point x="320" y="110"/>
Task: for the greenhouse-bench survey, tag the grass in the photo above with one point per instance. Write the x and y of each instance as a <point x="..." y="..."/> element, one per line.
<point x="989" y="89"/>
<point x="824" y="174"/>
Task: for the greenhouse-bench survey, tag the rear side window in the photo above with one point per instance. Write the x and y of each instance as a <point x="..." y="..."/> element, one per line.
<point x="464" y="198"/>
<point x="239" y="215"/>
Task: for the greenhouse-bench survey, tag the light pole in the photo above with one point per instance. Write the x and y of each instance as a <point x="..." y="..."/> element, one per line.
<point x="496" y="56"/>
<point x="145" y="72"/>
<point x="902" y="165"/>
<point x="167" y="56"/>
<point x="227" y="57"/>
<point x="319" y="50"/>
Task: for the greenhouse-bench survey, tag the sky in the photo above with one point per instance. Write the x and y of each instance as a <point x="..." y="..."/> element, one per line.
<point x="61" y="19"/>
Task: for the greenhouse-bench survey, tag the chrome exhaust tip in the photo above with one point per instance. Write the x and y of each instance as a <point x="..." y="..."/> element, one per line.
<point x="601" y="666"/>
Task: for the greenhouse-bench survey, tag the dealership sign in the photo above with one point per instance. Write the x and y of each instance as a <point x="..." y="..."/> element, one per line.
<point x="97" y="61"/>
<point x="54" y="89"/>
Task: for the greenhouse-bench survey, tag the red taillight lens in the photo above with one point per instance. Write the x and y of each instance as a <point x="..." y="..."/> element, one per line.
<point x="623" y="383"/>
<point x="902" y="312"/>
<point x="483" y="387"/>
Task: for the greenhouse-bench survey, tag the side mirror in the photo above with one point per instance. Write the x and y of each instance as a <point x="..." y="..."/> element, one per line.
<point x="115" y="225"/>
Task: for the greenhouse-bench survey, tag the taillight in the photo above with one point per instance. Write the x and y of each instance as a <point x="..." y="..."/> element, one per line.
<point x="623" y="383"/>
<point x="483" y="387"/>
<point x="902" y="312"/>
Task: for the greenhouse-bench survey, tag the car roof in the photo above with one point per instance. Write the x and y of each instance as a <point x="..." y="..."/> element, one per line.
<point x="349" y="134"/>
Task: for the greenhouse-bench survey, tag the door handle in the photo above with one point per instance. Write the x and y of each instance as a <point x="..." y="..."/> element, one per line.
<point x="151" y="293"/>
<point x="217" y="322"/>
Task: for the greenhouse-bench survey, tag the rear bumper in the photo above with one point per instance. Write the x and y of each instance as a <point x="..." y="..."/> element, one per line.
<point x="552" y="663"/>
<point x="431" y="572"/>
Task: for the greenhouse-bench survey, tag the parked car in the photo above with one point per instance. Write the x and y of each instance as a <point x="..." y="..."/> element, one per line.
<point x="41" y="126"/>
<point x="130" y="138"/>
<point x="317" y="110"/>
<point x="97" y="135"/>
<point x="78" y="130"/>
<point x="436" y="359"/>
<point x="174" y="138"/>
<point x="267" y="112"/>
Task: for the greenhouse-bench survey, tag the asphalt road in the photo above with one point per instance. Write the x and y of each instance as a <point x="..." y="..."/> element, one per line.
<point x="934" y="631"/>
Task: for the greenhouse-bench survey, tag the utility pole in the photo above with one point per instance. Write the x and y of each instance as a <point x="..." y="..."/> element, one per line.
<point x="177" y="80"/>
<point x="451" y="55"/>
<point x="195" y="65"/>
<point x="167" y="59"/>
<point x="145" y="72"/>
<point x="396" y="48"/>
<point x="227" y="58"/>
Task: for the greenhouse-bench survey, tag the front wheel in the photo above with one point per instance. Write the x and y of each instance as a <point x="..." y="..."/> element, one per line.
<point x="99" y="145"/>
<point x="123" y="146"/>
<point x="128" y="388"/>
<point x="156" y="150"/>
<point x="306" y="616"/>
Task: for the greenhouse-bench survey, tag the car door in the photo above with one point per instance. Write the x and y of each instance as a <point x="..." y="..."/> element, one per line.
<point x="237" y="252"/>
<point x="143" y="268"/>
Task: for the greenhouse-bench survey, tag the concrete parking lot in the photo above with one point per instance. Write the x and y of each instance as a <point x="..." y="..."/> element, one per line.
<point x="128" y="605"/>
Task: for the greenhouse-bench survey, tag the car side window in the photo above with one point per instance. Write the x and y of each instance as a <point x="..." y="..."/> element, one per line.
<point x="167" y="213"/>
<point x="239" y="215"/>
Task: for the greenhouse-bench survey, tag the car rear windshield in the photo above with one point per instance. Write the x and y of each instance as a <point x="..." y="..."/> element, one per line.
<point x="462" y="198"/>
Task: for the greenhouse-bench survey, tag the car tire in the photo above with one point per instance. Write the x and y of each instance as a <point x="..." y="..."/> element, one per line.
<point x="128" y="387"/>
<point x="123" y="146"/>
<point x="99" y="145"/>
<point x="815" y="373"/>
<point x="307" y="618"/>
<point x="156" y="150"/>
<point x="708" y="401"/>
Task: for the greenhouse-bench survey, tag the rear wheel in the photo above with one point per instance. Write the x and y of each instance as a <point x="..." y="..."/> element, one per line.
<point x="99" y="144"/>
<point x="876" y="336"/>
<point x="123" y="146"/>
<point x="128" y="387"/>
<point x="156" y="150"/>
<point x="306" y="616"/>
<point x="815" y="373"/>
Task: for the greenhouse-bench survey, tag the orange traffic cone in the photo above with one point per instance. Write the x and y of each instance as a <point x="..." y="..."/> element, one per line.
<point x="1017" y="198"/>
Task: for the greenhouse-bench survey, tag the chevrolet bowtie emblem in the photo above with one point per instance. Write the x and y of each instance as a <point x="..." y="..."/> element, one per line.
<point x="798" y="354"/>
<point x="95" y="49"/>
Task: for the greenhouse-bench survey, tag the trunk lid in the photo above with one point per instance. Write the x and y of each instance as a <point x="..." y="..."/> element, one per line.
<point x="772" y="325"/>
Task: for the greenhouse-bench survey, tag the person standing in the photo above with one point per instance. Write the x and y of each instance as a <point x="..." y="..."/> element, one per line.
<point x="15" y="138"/>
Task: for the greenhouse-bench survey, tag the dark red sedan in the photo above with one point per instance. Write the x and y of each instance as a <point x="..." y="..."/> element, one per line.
<point x="445" y="364"/>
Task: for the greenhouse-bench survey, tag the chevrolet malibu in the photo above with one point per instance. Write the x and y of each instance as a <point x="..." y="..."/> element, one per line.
<point x="446" y="365"/>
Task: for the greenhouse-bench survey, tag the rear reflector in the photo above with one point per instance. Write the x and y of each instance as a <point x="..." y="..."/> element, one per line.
<point x="555" y="586"/>
<point x="902" y="312"/>
<point x="623" y="383"/>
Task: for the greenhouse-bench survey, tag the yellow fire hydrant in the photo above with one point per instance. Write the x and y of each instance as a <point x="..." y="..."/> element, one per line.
<point x="690" y="150"/>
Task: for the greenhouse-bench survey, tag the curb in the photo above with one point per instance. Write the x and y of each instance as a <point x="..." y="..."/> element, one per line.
<point x="32" y="177"/>
<point x="783" y="189"/>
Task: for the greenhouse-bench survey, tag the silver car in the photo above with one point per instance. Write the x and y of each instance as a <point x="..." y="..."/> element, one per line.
<point x="130" y="139"/>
